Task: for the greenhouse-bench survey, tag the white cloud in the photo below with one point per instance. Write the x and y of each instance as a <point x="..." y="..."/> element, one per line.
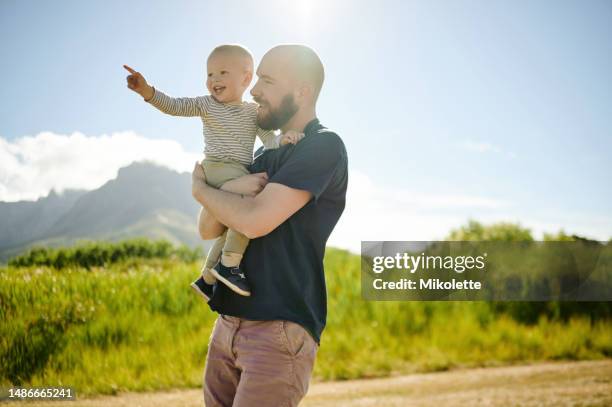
<point x="33" y="165"/>
<point x="376" y="213"/>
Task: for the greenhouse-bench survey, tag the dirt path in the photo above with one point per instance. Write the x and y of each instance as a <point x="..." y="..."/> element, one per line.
<point x="546" y="384"/>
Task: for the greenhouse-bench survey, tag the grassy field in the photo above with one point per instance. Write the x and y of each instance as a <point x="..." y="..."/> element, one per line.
<point x="137" y="326"/>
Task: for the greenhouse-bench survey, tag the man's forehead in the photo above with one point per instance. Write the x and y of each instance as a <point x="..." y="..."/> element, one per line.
<point x="274" y="65"/>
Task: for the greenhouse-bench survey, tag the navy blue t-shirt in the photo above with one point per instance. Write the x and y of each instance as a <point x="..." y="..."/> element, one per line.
<point x="285" y="267"/>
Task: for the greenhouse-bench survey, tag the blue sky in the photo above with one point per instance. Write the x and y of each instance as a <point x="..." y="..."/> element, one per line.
<point x="507" y="102"/>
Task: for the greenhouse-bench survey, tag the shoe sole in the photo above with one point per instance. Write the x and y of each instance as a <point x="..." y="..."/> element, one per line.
<point x="231" y="286"/>
<point x="197" y="290"/>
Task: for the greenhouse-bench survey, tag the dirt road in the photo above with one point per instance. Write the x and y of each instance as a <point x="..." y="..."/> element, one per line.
<point x="544" y="384"/>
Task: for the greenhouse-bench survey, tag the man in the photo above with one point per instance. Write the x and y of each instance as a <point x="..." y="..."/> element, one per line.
<point x="263" y="347"/>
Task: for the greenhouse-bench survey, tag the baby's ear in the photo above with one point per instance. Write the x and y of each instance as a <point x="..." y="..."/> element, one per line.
<point x="248" y="77"/>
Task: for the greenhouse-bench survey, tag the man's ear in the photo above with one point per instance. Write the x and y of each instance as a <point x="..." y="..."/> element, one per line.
<point x="304" y="93"/>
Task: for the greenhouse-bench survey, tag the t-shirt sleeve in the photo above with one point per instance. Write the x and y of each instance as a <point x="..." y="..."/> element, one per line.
<point x="312" y="165"/>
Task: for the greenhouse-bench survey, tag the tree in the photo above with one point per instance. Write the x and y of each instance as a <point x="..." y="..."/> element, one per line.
<point x="502" y="231"/>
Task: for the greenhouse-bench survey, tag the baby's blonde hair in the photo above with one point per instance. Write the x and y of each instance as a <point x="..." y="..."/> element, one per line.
<point x="235" y="50"/>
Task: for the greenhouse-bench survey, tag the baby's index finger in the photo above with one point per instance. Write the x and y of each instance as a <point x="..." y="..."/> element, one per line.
<point x="130" y="70"/>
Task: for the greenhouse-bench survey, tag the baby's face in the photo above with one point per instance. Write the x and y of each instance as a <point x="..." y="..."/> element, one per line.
<point x="228" y="77"/>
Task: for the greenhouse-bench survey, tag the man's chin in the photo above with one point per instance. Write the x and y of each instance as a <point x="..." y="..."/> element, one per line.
<point x="264" y="122"/>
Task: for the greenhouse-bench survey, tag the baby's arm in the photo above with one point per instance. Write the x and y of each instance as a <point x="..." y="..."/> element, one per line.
<point x="268" y="138"/>
<point x="173" y="106"/>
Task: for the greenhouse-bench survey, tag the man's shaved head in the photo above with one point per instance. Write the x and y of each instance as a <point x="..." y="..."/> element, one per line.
<point x="290" y="78"/>
<point x="302" y="62"/>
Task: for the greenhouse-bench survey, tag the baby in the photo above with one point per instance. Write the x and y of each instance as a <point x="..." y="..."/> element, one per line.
<point x="229" y="130"/>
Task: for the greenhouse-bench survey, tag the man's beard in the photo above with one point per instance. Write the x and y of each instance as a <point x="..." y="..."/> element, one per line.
<point x="277" y="118"/>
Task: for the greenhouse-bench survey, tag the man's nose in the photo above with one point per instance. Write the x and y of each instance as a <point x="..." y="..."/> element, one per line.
<point x="255" y="89"/>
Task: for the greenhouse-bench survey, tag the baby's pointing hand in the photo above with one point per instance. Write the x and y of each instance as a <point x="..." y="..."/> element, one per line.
<point x="137" y="83"/>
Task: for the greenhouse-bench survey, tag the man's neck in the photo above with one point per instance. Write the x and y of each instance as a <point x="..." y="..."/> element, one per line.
<point x="299" y="121"/>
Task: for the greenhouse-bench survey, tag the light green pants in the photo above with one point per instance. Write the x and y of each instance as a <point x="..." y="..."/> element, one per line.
<point x="218" y="172"/>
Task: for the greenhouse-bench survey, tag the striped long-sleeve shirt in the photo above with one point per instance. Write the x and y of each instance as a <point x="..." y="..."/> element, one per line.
<point x="229" y="130"/>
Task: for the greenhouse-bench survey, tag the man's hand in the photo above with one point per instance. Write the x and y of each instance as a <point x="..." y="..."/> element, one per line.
<point x="198" y="180"/>
<point x="138" y="83"/>
<point x="250" y="184"/>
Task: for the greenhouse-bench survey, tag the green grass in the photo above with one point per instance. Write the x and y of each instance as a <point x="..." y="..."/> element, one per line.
<point x="138" y="326"/>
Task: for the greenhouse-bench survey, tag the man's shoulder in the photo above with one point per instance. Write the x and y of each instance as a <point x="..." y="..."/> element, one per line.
<point x="327" y="140"/>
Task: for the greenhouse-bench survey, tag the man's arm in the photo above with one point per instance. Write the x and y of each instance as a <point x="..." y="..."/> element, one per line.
<point x="304" y="176"/>
<point x="252" y="216"/>
<point x="208" y="226"/>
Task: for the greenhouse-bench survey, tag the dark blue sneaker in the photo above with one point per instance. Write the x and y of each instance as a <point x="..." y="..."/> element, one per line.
<point x="232" y="277"/>
<point x="205" y="290"/>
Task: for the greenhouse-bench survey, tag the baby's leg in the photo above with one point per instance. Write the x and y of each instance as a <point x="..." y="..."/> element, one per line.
<point x="220" y="172"/>
<point x="213" y="258"/>
<point x="233" y="250"/>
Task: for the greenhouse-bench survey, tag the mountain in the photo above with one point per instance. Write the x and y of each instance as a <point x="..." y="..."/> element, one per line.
<point x="24" y="221"/>
<point x="144" y="200"/>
